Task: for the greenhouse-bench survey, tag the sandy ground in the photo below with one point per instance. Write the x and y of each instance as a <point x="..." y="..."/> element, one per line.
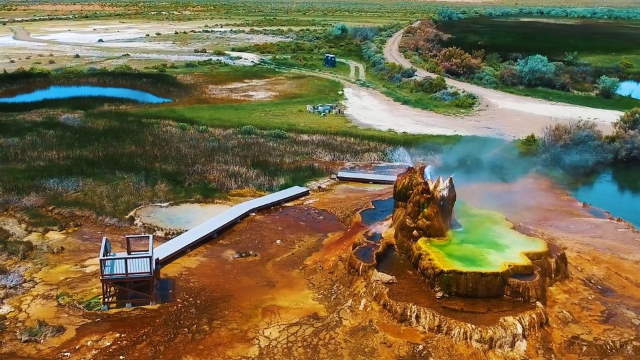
<point x="499" y="114"/>
<point x="60" y="41"/>
<point x="356" y="70"/>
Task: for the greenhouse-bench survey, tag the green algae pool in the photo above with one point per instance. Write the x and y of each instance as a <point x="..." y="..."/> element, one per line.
<point x="486" y="242"/>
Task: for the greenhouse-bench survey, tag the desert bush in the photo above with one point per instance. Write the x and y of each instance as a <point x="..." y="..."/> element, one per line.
<point x="446" y="95"/>
<point x="577" y="147"/>
<point x="447" y="14"/>
<point x="365" y="33"/>
<point x="465" y="101"/>
<point x="339" y="30"/>
<point x="628" y="147"/>
<point x="535" y="70"/>
<point x="529" y="145"/>
<point x="509" y="76"/>
<point x="424" y="39"/>
<point x="607" y="86"/>
<point x="249" y="130"/>
<point x="457" y="62"/>
<point x="628" y="122"/>
<point x="277" y="134"/>
<point x="487" y="77"/>
<point x="432" y="85"/>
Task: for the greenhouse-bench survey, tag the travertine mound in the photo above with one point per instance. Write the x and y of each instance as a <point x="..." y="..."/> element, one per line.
<point x="424" y="210"/>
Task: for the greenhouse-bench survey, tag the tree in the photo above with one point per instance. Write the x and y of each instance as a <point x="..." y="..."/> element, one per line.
<point x="535" y="70"/>
<point x="607" y="86"/>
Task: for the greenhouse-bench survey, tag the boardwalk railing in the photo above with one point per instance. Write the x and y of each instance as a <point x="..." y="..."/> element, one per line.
<point x="126" y="265"/>
<point x="366" y="177"/>
<point x="172" y="248"/>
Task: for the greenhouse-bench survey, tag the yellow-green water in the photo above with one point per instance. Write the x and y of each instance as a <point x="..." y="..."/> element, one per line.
<point x="487" y="242"/>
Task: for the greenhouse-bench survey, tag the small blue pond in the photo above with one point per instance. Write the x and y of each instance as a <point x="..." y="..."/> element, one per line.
<point x="616" y="190"/>
<point x="381" y="210"/>
<point x="629" y="88"/>
<point x="67" y="92"/>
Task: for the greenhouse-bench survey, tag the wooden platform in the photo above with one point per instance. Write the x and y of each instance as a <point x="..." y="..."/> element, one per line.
<point x="123" y="265"/>
<point x="366" y="177"/>
<point x="174" y="247"/>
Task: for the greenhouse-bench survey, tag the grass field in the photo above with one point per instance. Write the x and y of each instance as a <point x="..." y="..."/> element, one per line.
<point x="604" y="42"/>
<point x="110" y="160"/>
<point x="617" y="103"/>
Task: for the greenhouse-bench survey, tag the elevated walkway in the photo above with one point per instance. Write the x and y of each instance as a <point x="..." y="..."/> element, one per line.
<point x="366" y="177"/>
<point x="130" y="277"/>
<point x="169" y="250"/>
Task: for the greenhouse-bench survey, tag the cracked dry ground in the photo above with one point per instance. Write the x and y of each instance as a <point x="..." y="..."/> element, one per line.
<point x="297" y="300"/>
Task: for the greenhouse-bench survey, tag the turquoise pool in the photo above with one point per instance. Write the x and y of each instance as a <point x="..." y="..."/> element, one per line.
<point x="68" y="92"/>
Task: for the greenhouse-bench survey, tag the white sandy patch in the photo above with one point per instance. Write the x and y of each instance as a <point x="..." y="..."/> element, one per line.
<point x="89" y="37"/>
<point x="371" y="109"/>
<point x="8" y="40"/>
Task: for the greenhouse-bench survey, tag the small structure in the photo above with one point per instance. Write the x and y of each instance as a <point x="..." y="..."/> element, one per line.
<point x="325" y="109"/>
<point x="367" y="177"/>
<point x="128" y="278"/>
<point x="330" y="60"/>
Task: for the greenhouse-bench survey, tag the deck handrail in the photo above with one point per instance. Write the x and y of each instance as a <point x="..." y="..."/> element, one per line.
<point x="141" y="236"/>
<point x="126" y="259"/>
<point x="105" y="247"/>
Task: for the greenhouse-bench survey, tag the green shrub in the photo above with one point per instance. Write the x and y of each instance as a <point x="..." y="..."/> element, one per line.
<point x="607" y="86"/>
<point x="249" y="130"/>
<point x="535" y="70"/>
<point x="432" y="85"/>
<point x="464" y="102"/>
<point x="487" y="77"/>
<point x="629" y="121"/>
<point x="183" y="126"/>
<point x="529" y="145"/>
<point x="92" y="304"/>
<point x="277" y="134"/>
<point x="202" y="129"/>
<point x="626" y="64"/>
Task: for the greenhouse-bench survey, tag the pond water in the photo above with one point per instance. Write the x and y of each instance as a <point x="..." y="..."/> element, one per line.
<point x="616" y="190"/>
<point x="67" y="92"/>
<point x="474" y="160"/>
<point x="485" y="242"/>
<point x="381" y="210"/>
<point x="629" y="88"/>
<point x="179" y="217"/>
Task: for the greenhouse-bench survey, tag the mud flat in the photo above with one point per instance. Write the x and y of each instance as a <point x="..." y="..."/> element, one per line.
<point x="175" y="218"/>
<point x="299" y="298"/>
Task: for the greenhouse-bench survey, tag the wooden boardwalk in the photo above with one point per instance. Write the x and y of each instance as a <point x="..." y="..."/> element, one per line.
<point x="182" y="243"/>
<point x="366" y="177"/>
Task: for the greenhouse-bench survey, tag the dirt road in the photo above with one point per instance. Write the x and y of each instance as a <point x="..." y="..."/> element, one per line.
<point x="501" y="113"/>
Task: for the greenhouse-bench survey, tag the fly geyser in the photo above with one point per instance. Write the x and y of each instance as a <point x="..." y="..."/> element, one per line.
<point x="483" y="257"/>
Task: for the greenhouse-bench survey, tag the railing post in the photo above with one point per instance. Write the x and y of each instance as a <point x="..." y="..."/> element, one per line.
<point x="126" y="267"/>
